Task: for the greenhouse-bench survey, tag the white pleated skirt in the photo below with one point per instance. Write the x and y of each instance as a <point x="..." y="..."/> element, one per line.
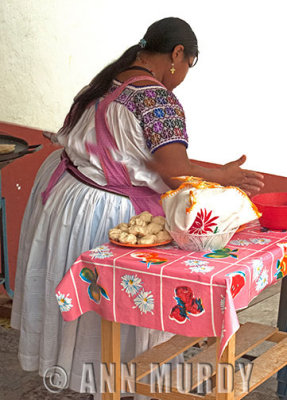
<point x="76" y="218"/>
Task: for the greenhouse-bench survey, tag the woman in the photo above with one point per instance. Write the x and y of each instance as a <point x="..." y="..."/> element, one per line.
<point x="124" y="140"/>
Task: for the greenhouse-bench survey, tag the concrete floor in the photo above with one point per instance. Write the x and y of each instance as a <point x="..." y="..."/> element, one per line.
<point x="16" y="384"/>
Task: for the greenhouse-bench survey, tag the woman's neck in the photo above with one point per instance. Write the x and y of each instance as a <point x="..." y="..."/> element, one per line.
<point x="139" y="68"/>
<point x="152" y="64"/>
<point x="157" y="63"/>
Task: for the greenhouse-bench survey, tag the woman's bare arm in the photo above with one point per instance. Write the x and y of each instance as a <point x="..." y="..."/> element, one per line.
<point x="171" y="160"/>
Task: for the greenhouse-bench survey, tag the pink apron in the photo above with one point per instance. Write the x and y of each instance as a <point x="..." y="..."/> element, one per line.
<point x="117" y="177"/>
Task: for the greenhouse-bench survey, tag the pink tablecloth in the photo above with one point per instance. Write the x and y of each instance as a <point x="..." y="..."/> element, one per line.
<point x="165" y="288"/>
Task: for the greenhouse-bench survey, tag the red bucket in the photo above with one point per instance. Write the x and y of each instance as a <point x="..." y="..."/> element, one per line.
<point x="273" y="207"/>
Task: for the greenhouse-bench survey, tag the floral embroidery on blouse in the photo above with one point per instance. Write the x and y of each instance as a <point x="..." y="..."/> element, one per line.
<point x="160" y="114"/>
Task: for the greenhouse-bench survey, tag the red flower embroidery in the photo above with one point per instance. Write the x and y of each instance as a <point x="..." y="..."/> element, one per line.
<point x="203" y="223"/>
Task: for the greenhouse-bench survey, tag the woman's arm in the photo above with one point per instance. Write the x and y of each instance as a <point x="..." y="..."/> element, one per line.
<point x="171" y="160"/>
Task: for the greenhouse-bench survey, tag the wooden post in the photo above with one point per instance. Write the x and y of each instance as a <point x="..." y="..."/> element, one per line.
<point x="228" y="357"/>
<point x="282" y="325"/>
<point x="111" y="353"/>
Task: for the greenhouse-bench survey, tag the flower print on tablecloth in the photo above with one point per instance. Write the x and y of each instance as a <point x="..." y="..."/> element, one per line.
<point x="262" y="281"/>
<point x="131" y="284"/>
<point x="144" y="301"/>
<point x="222" y="253"/>
<point x="240" y="242"/>
<point x="187" y="305"/>
<point x="257" y="266"/>
<point x="281" y="266"/>
<point x="238" y="280"/>
<point x="64" y="301"/>
<point x="101" y="252"/>
<point x="95" y="291"/>
<point x="149" y="258"/>
<point x="260" y="241"/>
<point x="198" y="266"/>
<point x="247" y="242"/>
<point x="203" y="223"/>
<point x="260" y="275"/>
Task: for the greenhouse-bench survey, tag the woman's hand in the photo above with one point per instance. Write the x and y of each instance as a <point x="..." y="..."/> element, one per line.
<point x="249" y="181"/>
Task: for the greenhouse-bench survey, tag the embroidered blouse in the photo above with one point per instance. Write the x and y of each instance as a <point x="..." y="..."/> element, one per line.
<point x="159" y="112"/>
<point x="141" y="119"/>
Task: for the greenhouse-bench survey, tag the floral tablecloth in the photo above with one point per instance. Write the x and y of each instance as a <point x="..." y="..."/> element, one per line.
<point x="166" y="288"/>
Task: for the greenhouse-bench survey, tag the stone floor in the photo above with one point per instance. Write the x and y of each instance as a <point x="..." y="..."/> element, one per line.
<point x="16" y="384"/>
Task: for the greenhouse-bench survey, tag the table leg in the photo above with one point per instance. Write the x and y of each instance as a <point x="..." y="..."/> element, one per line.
<point x="225" y="375"/>
<point x="4" y="272"/>
<point x="282" y="325"/>
<point x="111" y="354"/>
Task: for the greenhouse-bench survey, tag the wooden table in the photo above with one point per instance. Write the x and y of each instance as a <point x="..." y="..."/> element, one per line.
<point x="247" y="338"/>
<point x="192" y="294"/>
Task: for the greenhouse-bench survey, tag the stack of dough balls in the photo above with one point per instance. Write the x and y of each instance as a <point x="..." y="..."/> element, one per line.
<point x="141" y="229"/>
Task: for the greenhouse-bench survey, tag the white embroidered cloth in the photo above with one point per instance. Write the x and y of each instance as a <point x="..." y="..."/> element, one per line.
<point x="205" y="213"/>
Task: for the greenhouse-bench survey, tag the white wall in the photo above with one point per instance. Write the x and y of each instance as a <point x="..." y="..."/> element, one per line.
<point x="234" y="99"/>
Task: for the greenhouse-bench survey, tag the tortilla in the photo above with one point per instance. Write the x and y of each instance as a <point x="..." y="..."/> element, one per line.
<point x="7" y="148"/>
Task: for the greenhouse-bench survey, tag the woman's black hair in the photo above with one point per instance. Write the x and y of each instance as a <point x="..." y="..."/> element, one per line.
<point x="161" y="37"/>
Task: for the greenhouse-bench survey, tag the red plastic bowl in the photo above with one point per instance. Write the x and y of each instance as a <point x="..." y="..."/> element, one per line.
<point x="273" y="207"/>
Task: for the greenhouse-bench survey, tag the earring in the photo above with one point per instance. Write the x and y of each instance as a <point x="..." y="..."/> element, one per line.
<point x="172" y="70"/>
